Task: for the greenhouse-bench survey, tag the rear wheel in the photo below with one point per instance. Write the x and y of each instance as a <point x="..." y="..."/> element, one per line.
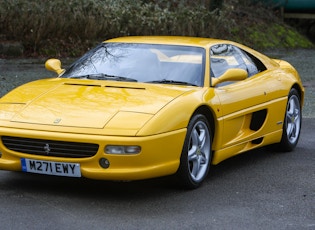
<point x="196" y="154"/>
<point x="292" y="122"/>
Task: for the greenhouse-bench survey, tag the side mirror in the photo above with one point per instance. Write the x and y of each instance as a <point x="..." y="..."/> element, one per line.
<point x="54" y="65"/>
<point x="230" y="75"/>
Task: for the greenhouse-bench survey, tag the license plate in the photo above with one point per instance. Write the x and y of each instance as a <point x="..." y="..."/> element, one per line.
<point x="51" y="168"/>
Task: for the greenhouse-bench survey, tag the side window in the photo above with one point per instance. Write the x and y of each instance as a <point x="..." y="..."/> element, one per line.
<point x="251" y="68"/>
<point x="255" y="61"/>
<point x="226" y="56"/>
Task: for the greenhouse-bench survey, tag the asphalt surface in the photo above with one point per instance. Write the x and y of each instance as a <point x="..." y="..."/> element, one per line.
<point x="261" y="189"/>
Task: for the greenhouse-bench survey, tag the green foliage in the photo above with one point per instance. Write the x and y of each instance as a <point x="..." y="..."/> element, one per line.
<point x="51" y="26"/>
<point x="276" y="35"/>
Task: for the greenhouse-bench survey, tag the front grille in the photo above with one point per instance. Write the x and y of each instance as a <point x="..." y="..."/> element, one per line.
<point x="49" y="147"/>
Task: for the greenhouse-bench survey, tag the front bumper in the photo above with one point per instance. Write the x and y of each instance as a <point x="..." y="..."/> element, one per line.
<point x="159" y="156"/>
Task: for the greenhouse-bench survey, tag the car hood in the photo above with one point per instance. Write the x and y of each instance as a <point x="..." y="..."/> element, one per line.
<point x="86" y="103"/>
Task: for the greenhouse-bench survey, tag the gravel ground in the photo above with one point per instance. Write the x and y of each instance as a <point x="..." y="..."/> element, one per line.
<point x="14" y="72"/>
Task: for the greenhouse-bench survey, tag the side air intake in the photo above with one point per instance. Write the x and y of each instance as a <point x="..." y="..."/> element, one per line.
<point x="258" y="119"/>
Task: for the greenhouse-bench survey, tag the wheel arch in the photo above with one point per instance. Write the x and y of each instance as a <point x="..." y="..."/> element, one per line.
<point x="300" y="92"/>
<point x="208" y="113"/>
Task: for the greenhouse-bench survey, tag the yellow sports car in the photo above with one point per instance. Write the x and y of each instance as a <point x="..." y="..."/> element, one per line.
<point x="143" y="107"/>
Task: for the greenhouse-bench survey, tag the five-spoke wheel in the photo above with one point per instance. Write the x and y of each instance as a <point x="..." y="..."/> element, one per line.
<point x="196" y="155"/>
<point x="292" y="122"/>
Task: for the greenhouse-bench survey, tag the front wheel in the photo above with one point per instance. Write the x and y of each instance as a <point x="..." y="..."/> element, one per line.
<point x="196" y="154"/>
<point x="292" y="122"/>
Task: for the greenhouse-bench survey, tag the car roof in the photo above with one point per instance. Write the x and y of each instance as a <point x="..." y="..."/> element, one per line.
<point x="174" y="40"/>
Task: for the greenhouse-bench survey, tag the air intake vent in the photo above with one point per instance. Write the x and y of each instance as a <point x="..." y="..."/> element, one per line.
<point x="78" y="84"/>
<point x="50" y="148"/>
<point x="258" y="119"/>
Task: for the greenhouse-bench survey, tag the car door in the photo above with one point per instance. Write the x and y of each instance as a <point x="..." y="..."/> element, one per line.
<point x="243" y="103"/>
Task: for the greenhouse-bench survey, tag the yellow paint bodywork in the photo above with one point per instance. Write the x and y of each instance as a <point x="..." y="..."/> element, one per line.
<point x="152" y="116"/>
<point x="153" y="161"/>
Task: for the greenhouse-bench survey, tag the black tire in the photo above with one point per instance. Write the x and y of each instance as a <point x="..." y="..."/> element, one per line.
<point x="292" y="122"/>
<point x="196" y="154"/>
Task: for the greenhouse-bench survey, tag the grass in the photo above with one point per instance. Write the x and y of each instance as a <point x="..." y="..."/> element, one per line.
<point x="56" y="28"/>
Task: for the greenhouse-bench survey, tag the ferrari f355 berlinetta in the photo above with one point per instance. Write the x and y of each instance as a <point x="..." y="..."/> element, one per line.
<point x="142" y="107"/>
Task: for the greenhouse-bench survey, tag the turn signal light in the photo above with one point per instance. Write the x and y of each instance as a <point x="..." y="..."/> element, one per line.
<point x="121" y="149"/>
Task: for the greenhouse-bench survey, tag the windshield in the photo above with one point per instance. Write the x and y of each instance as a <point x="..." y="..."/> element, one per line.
<point x="165" y="64"/>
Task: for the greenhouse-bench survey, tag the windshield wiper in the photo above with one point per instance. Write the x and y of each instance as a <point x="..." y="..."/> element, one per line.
<point x="102" y="76"/>
<point x="165" y="81"/>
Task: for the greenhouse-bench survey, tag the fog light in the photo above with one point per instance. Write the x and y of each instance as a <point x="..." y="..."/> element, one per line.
<point x="104" y="163"/>
<point x="120" y="149"/>
<point x="0" y="154"/>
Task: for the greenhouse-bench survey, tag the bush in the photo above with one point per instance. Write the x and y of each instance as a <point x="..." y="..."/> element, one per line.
<point x="51" y="26"/>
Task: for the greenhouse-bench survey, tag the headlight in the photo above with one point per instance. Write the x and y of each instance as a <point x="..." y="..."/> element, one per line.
<point x="121" y="149"/>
